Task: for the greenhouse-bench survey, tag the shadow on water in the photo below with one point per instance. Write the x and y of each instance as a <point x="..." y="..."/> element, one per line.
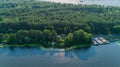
<point x="3" y="50"/>
<point x="25" y="51"/>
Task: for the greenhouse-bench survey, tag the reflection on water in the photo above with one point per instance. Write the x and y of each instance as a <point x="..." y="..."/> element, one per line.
<point x="85" y="54"/>
<point x="94" y="56"/>
<point x="36" y="56"/>
<point x="82" y="54"/>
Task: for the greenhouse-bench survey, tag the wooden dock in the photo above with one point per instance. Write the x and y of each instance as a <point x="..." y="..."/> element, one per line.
<point x="100" y="41"/>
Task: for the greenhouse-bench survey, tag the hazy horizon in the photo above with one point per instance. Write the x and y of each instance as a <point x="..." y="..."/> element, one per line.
<point x="88" y="2"/>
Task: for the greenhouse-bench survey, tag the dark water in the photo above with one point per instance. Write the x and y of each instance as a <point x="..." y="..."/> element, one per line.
<point x="94" y="56"/>
<point x="88" y="2"/>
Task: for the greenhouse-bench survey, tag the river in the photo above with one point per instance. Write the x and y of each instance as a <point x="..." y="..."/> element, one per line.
<point x="89" y="2"/>
<point x="94" y="56"/>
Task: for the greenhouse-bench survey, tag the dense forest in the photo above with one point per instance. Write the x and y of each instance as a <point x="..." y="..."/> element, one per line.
<point x="31" y="21"/>
<point x="47" y="38"/>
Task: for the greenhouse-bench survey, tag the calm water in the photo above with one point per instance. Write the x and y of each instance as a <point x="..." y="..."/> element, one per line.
<point x="94" y="56"/>
<point x="98" y="2"/>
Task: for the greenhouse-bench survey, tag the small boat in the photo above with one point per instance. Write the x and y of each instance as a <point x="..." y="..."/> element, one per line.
<point x="95" y="43"/>
<point x="104" y="40"/>
<point x="98" y="41"/>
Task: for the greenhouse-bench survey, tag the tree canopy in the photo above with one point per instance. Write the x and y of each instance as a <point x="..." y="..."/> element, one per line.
<point x="31" y="21"/>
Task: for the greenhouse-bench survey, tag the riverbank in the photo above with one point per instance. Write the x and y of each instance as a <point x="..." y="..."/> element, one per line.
<point x="77" y="46"/>
<point x="94" y="56"/>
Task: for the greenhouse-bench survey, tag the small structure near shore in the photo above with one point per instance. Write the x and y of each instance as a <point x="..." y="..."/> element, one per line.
<point x="100" y="41"/>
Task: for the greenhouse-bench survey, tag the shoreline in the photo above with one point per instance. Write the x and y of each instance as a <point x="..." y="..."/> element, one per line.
<point x="49" y="48"/>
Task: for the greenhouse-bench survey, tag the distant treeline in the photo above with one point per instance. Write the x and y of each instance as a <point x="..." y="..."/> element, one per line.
<point x="64" y="18"/>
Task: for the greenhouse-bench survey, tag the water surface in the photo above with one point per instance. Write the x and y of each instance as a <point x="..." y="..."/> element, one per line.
<point x="94" y="56"/>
